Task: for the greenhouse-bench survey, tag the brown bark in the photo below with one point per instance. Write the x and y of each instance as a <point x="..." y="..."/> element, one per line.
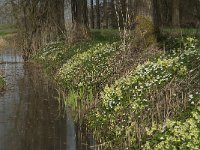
<point x="80" y="20"/>
<point x="105" y="5"/>
<point x="40" y="21"/>
<point x="98" y="14"/>
<point x="92" y="14"/>
<point x="176" y="13"/>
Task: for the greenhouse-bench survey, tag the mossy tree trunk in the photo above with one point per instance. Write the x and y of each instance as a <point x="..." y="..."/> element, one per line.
<point x="147" y="22"/>
<point x="148" y="9"/>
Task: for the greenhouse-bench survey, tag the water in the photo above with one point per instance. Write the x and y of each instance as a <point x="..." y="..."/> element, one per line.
<point x="29" y="114"/>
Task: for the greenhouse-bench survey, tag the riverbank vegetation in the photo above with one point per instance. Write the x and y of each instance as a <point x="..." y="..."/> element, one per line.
<point x="7" y="29"/>
<point x="135" y="103"/>
<point x="131" y="76"/>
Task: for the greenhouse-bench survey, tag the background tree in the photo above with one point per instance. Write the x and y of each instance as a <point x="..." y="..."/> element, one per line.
<point x="98" y="17"/>
<point x="39" y="22"/>
<point x="79" y="20"/>
<point x="175" y="13"/>
<point x="92" y="13"/>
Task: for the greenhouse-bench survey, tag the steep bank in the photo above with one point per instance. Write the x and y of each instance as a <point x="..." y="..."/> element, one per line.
<point x="123" y="105"/>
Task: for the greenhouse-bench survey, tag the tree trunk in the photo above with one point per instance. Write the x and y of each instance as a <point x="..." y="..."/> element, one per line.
<point x="105" y="5"/>
<point x="113" y="15"/>
<point x="147" y="22"/>
<point x="176" y="13"/>
<point x="98" y="18"/>
<point x="79" y="20"/>
<point x="144" y="8"/>
<point x="92" y="14"/>
<point x="40" y="21"/>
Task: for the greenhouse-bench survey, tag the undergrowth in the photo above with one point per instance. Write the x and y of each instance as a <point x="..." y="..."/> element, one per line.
<point x="156" y="91"/>
<point x="127" y="107"/>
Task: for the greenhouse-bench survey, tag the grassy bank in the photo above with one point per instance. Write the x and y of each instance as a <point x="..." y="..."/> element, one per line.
<point x="7" y="29"/>
<point x="182" y="31"/>
<point x="130" y="98"/>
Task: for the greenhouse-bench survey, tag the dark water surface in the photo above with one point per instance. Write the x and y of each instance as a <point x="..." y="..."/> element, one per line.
<point x="29" y="116"/>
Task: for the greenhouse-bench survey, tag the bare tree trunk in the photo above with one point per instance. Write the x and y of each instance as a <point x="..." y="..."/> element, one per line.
<point x="175" y="13"/>
<point x="40" y="21"/>
<point x="92" y="14"/>
<point x="144" y="8"/>
<point x="105" y="5"/>
<point x="113" y="15"/>
<point x="79" y="20"/>
<point x="98" y="18"/>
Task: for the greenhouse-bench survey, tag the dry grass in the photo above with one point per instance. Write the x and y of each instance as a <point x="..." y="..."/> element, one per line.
<point x="3" y="43"/>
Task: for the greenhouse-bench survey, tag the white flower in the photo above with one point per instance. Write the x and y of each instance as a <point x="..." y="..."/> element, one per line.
<point x="161" y="138"/>
<point x="190" y="96"/>
<point x="192" y="102"/>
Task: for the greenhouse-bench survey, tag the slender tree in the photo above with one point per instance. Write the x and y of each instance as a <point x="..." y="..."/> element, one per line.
<point x="92" y="13"/>
<point x="105" y="6"/>
<point x="98" y="18"/>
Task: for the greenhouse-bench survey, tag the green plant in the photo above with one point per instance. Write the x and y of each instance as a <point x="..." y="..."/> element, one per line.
<point x="85" y="73"/>
<point x="132" y="99"/>
<point x="175" y="134"/>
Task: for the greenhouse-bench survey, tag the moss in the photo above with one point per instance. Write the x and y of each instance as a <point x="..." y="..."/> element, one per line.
<point x="144" y="32"/>
<point x="2" y="83"/>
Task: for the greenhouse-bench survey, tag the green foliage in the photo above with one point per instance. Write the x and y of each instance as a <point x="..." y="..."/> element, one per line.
<point x="124" y="101"/>
<point x="174" y="135"/>
<point x="171" y="39"/>
<point x="105" y="35"/>
<point x="86" y="73"/>
<point x="182" y="31"/>
<point x="84" y="69"/>
<point x="55" y="54"/>
<point x="88" y="68"/>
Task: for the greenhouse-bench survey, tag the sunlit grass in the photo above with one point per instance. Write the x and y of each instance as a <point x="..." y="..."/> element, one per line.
<point x="182" y="31"/>
<point x="108" y="35"/>
<point x="6" y="29"/>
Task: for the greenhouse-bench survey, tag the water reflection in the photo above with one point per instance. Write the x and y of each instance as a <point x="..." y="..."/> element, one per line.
<point x="29" y="117"/>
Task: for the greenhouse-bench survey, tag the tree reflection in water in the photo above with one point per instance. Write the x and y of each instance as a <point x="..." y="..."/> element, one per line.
<point x="30" y="119"/>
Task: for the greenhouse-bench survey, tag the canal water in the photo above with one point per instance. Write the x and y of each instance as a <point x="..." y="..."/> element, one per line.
<point x="29" y="114"/>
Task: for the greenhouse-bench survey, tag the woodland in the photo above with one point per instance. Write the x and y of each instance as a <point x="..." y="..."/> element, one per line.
<point x="128" y="69"/>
